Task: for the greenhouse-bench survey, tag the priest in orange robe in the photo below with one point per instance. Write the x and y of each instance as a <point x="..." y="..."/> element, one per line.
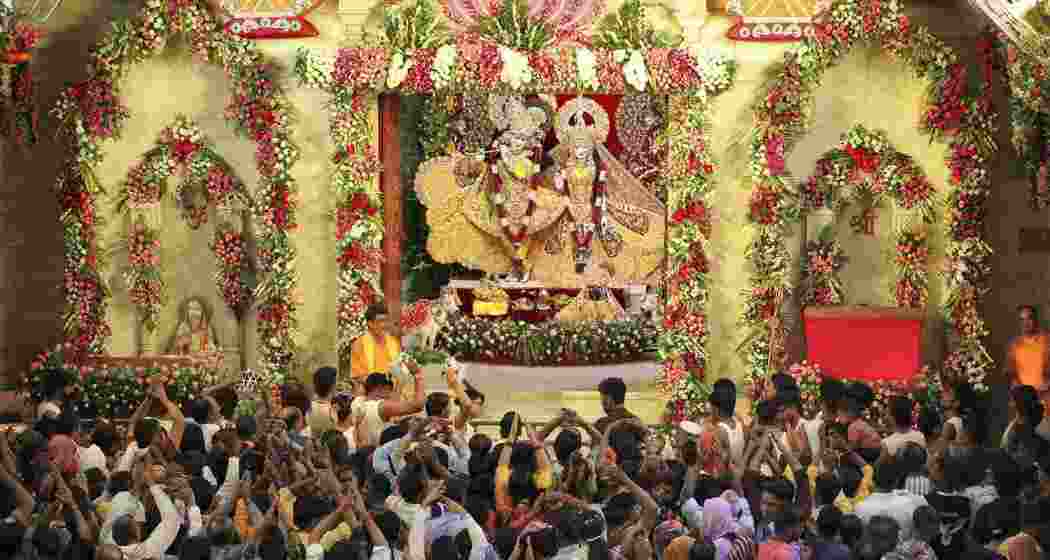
<point x="1028" y="355"/>
<point x="376" y="350"/>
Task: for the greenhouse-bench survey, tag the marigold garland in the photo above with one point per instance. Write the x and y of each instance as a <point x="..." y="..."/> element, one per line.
<point x="470" y="64"/>
<point x="92" y="112"/>
<point x="963" y="119"/>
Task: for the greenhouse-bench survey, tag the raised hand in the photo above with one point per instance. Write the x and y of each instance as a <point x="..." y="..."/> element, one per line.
<point x="435" y="491"/>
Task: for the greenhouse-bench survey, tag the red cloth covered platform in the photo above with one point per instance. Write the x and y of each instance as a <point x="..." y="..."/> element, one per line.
<point x="865" y="343"/>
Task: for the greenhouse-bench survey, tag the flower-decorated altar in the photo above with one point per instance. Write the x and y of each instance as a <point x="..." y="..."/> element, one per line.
<point x="114" y="386"/>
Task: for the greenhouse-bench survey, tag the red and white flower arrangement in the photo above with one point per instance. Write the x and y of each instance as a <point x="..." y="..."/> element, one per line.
<point x="964" y="120"/>
<point x="143" y="276"/>
<point x="234" y="277"/>
<point x="912" y="287"/>
<point x="468" y="62"/>
<point x="92" y="112"/>
<point x="182" y="150"/>
<point x="866" y="166"/>
<point x="1030" y="133"/>
<point x="116" y="391"/>
<point x="820" y="271"/>
<point x="923" y="388"/>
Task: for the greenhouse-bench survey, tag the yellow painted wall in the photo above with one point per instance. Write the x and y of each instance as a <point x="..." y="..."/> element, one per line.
<point x="865" y="88"/>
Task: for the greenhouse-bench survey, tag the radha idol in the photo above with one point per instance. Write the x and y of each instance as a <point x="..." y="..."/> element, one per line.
<point x="483" y="211"/>
<point x="584" y="221"/>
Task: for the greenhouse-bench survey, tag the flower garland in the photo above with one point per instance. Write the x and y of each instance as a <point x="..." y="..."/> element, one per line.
<point x="1029" y="123"/>
<point x="953" y="114"/>
<point x="548" y="344"/>
<point x="235" y="276"/>
<point x="912" y="287"/>
<point x="356" y="77"/>
<point x="183" y="150"/>
<point x="115" y="392"/>
<point x="865" y="168"/>
<point x="17" y="87"/>
<point x="924" y="388"/>
<point x="92" y="113"/>
<point x="820" y="271"/>
<point x="143" y="276"/>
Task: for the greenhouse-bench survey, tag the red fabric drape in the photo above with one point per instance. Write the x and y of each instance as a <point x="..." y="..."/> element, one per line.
<point x="865" y="348"/>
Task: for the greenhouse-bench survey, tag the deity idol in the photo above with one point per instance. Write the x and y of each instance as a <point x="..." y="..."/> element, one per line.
<point x="508" y="216"/>
<point x="194" y="333"/>
<point x="604" y="205"/>
<point x="483" y="212"/>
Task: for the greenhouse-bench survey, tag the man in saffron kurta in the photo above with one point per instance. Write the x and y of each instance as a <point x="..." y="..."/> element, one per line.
<point x="1028" y="355"/>
<point x="376" y="350"/>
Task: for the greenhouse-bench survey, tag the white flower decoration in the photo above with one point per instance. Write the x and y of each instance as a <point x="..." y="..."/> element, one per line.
<point x="444" y="66"/>
<point x="635" y="72"/>
<point x="586" y="68"/>
<point x="516" y="71"/>
<point x="399" y="67"/>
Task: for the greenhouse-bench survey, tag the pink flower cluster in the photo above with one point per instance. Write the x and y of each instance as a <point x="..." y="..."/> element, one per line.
<point x="25" y="37"/>
<point x="915" y="191"/>
<point x="221" y="184"/>
<point x="143" y="248"/>
<point x="361" y="68"/>
<point x="143" y="189"/>
<point x="230" y="250"/>
<point x="102" y="112"/>
<point x="672" y="69"/>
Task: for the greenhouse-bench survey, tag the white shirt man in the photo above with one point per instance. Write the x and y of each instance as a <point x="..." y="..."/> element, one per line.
<point x="897" y="504"/>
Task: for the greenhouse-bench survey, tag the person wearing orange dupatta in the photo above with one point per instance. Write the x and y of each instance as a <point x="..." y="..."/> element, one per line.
<point x="376" y="350"/>
<point x="1028" y="355"/>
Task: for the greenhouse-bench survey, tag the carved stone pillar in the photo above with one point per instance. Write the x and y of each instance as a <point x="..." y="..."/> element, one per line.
<point x="353" y="14"/>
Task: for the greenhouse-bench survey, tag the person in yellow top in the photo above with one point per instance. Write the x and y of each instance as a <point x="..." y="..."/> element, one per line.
<point x="1028" y="355"/>
<point x="376" y="350"/>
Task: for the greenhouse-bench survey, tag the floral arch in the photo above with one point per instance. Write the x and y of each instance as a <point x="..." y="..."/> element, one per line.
<point x="866" y="169"/>
<point x="953" y="114"/>
<point x="93" y="113"/>
<point x="205" y="181"/>
<point x="403" y="62"/>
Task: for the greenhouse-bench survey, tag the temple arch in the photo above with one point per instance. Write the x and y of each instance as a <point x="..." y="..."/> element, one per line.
<point x="784" y="114"/>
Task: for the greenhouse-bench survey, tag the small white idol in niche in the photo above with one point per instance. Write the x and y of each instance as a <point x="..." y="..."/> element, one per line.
<point x="194" y="333"/>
